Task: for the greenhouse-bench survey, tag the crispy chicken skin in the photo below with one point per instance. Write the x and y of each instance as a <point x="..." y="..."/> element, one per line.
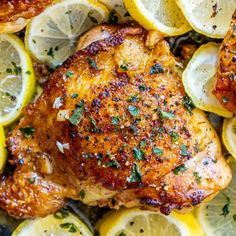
<point x="14" y="14"/>
<point x="225" y="88"/>
<point x="111" y="129"/>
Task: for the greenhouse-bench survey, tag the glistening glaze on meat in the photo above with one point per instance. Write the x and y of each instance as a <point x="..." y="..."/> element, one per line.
<point x="111" y="129"/>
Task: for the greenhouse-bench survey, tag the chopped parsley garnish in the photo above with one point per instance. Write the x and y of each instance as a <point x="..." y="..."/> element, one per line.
<point x="16" y="69"/>
<point x="234" y="129"/>
<point x="69" y="74"/>
<point x="27" y="131"/>
<point x="92" y="63"/>
<point x="225" y="208"/>
<point x="77" y="114"/>
<point x="198" y="178"/>
<point x="234" y="217"/>
<point x="70" y="226"/>
<point x="82" y="194"/>
<point x="92" y="18"/>
<point x="28" y="72"/>
<point x="143" y="144"/>
<point x="142" y="87"/>
<point x="167" y="115"/>
<point x="156" y="69"/>
<point x="188" y="103"/>
<point x="68" y="12"/>
<point x="94" y="124"/>
<point x="31" y="180"/>
<point x="50" y="52"/>
<point x="112" y="18"/>
<point x="133" y="110"/>
<point x="174" y="136"/>
<point x="225" y="99"/>
<point x="113" y="163"/>
<point x="133" y="99"/>
<point x="157" y="151"/>
<point x="184" y="150"/>
<point x="138" y="154"/>
<point x="115" y="120"/>
<point x="74" y="95"/>
<point x="136" y="175"/>
<point x="61" y="214"/>
<point x="124" y="67"/>
<point x="178" y="169"/>
<point x="126" y="14"/>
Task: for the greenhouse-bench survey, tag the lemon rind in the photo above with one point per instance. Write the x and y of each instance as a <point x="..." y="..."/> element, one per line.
<point x="144" y="18"/>
<point x="221" y="111"/>
<point x="27" y="78"/>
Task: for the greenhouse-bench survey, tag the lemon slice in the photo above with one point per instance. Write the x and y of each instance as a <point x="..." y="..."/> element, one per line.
<point x="60" y="224"/>
<point x="116" y="7"/>
<point x="16" y="78"/>
<point x="130" y="222"/>
<point x="3" y="151"/>
<point x="211" y="18"/>
<point x="161" y="15"/>
<point x="229" y="135"/>
<point x="199" y="79"/>
<point x="52" y="36"/>
<point x="218" y="217"/>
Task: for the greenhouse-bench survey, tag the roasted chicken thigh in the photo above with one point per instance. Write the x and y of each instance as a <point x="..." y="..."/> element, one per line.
<point x="113" y="127"/>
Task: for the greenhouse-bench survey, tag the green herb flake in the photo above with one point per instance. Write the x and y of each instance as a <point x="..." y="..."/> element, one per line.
<point x="68" y="12"/>
<point x="136" y="175"/>
<point x="178" y="169"/>
<point x="115" y="120"/>
<point x="142" y="87"/>
<point x="31" y="180"/>
<point x="184" y="150"/>
<point x="124" y="67"/>
<point x="225" y="208"/>
<point x="92" y="63"/>
<point x="17" y="69"/>
<point x="133" y="99"/>
<point x="69" y="74"/>
<point x="156" y="69"/>
<point x="174" y="136"/>
<point x="77" y="114"/>
<point x="234" y="217"/>
<point x="82" y="194"/>
<point x="92" y="18"/>
<point x="198" y="178"/>
<point x="28" y="72"/>
<point x="126" y="14"/>
<point x="143" y="144"/>
<point x="167" y="115"/>
<point x="234" y="129"/>
<point x="133" y="110"/>
<point x="70" y="226"/>
<point x="225" y="99"/>
<point x="188" y="103"/>
<point x="74" y="95"/>
<point x="94" y="124"/>
<point x="157" y="151"/>
<point x="27" y="131"/>
<point x="50" y="52"/>
<point x="138" y="154"/>
<point x="112" y="163"/>
<point x="113" y="18"/>
<point x="9" y="70"/>
<point x="61" y="214"/>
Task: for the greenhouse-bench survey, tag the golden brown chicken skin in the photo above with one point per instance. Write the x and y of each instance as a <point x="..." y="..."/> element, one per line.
<point x="225" y="88"/>
<point x="112" y="128"/>
<point x="14" y="14"/>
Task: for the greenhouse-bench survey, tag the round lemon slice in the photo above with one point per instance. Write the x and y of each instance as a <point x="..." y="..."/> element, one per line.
<point x="52" y="36"/>
<point x="116" y="7"/>
<point x="161" y="15"/>
<point x="211" y="18"/>
<point x="218" y="216"/>
<point x="3" y="151"/>
<point x="229" y="135"/>
<point x="60" y="224"/>
<point x="16" y="78"/>
<point x="129" y="222"/>
<point x="199" y="79"/>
